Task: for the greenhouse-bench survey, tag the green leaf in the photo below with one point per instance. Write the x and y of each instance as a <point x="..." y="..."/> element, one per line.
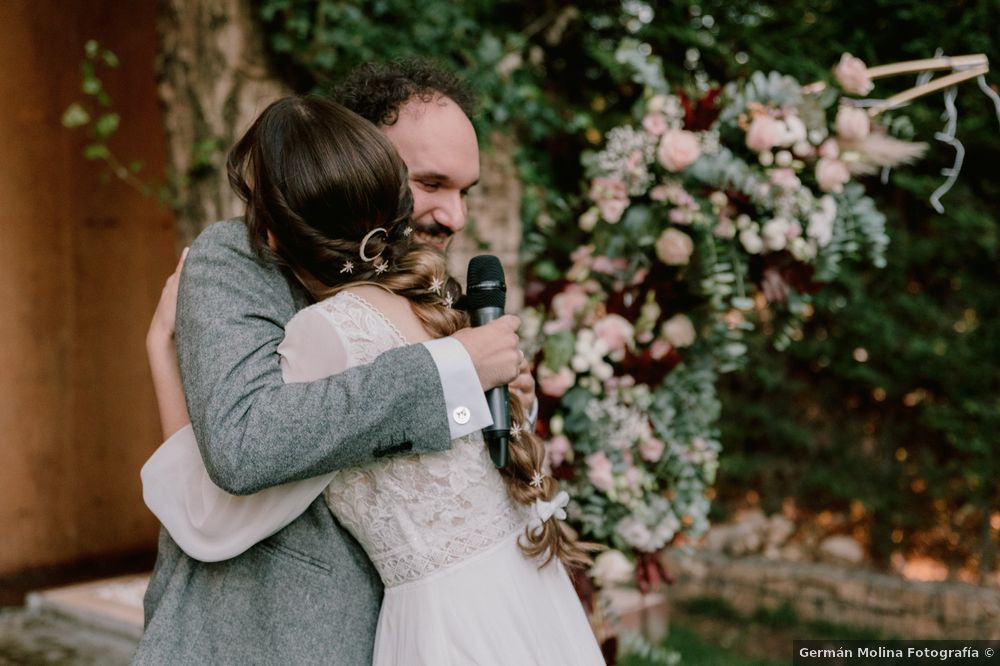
<point x="110" y="59"/>
<point x="96" y="151"/>
<point x="91" y="85"/>
<point x="135" y="166"/>
<point x="91" y="48"/>
<point x="106" y="125"/>
<point x="75" y="116"/>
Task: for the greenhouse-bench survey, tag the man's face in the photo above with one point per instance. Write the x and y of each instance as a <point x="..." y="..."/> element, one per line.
<point x="438" y="144"/>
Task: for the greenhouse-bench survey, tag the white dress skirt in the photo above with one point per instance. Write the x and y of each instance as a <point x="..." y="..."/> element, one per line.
<point x="439" y="527"/>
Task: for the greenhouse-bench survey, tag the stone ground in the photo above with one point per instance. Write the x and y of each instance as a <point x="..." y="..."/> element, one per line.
<point x="31" y="637"/>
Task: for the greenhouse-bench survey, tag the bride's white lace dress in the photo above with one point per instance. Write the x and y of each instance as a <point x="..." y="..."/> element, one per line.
<point x="441" y="530"/>
<point x="439" y="527"/>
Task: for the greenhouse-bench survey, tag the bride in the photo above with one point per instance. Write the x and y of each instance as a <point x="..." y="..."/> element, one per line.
<point x="473" y="559"/>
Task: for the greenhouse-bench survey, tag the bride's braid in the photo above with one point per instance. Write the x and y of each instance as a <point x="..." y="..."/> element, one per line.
<point x="335" y="212"/>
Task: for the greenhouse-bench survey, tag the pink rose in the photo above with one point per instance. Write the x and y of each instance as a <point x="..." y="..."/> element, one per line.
<point x="674" y="247"/>
<point x="678" y="150"/>
<point x="654" y="123"/>
<point x="830" y="149"/>
<point x="725" y="228"/>
<point x="569" y="302"/>
<point x="659" y="349"/>
<point x="831" y="175"/>
<point x="659" y="193"/>
<point x="763" y="133"/>
<point x="633" y="478"/>
<point x="678" y="331"/>
<point x="602" y="188"/>
<point x="651" y="449"/>
<point x="615" y="331"/>
<point x="607" y="265"/>
<point x="785" y="179"/>
<point x="679" y="216"/>
<point x="612" y="209"/>
<point x="639" y="276"/>
<point x="555" y="383"/>
<point x="852" y="75"/>
<point x="599" y="471"/>
<point x="853" y="123"/>
<point x="557" y="449"/>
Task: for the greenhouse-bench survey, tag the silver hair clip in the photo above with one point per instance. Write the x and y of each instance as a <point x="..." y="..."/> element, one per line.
<point x="364" y="242"/>
<point x="348" y="267"/>
<point x="537" y="479"/>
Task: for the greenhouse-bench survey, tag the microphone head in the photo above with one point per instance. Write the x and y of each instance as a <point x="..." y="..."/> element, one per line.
<point x="486" y="286"/>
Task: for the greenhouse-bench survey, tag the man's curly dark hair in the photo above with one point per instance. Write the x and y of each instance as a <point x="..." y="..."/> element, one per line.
<point x="376" y="91"/>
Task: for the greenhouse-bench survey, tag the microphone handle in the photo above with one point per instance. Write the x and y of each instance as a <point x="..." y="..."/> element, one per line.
<point x="498" y="434"/>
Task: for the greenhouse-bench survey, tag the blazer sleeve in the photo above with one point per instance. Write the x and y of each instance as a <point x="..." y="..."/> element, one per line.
<point x="253" y="430"/>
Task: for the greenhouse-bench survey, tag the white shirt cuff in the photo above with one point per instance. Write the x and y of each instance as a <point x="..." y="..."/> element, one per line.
<point x="463" y="394"/>
<point x="533" y="414"/>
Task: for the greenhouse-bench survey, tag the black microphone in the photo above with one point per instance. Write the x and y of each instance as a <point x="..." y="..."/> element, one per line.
<point x="486" y="298"/>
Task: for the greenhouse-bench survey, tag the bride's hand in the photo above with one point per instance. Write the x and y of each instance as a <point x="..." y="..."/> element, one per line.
<point x="161" y="328"/>
<point x="162" y="355"/>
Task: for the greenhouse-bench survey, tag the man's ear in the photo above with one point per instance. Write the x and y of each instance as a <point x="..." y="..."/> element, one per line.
<point x="272" y="242"/>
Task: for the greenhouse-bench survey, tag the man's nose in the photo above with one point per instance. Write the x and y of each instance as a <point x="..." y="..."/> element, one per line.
<point x="451" y="213"/>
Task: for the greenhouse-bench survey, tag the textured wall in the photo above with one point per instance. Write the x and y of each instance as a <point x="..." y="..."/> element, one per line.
<point x="853" y="597"/>
<point x="81" y="267"/>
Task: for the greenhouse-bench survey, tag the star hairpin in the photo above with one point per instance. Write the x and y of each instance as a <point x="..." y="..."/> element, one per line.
<point x="437" y="284"/>
<point x="449" y="301"/>
<point x="381" y="266"/>
<point x="348" y="267"/>
<point x="537" y="479"/>
<point x="516" y="429"/>
<point x="407" y="231"/>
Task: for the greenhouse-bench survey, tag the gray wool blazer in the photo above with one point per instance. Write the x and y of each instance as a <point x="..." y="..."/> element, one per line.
<point x="308" y="594"/>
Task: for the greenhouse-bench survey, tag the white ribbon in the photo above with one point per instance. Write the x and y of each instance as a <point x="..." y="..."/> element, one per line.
<point x="544" y="510"/>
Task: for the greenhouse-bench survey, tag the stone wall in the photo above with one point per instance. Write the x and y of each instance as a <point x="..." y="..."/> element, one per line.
<point x="895" y="607"/>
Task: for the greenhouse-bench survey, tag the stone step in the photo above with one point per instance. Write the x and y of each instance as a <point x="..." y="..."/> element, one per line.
<point x="112" y="605"/>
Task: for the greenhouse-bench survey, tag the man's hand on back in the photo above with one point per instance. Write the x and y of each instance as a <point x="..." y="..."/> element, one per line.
<point x="493" y="348"/>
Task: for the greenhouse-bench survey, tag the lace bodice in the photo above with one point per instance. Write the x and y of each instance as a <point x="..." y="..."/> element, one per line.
<point x="414" y="514"/>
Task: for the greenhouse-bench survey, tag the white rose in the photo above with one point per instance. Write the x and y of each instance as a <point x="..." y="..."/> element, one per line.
<point x="656" y="104"/>
<point x="589" y="219"/>
<point x="796" y="129"/>
<point x="612" y="567"/>
<point x="853" y="123"/>
<point x="821" y="220"/>
<point x="678" y="331"/>
<point x="751" y="241"/>
<point x="774" y="234"/>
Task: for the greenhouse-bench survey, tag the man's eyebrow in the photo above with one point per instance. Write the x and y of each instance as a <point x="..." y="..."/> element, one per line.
<point x="440" y="177"/>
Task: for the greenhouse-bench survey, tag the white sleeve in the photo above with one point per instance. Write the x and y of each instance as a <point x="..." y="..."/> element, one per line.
<point x="463" y="394"/>
<point x="208" y="523"/>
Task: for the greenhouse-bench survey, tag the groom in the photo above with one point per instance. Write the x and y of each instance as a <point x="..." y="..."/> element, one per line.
<point x="308" y="594"/>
